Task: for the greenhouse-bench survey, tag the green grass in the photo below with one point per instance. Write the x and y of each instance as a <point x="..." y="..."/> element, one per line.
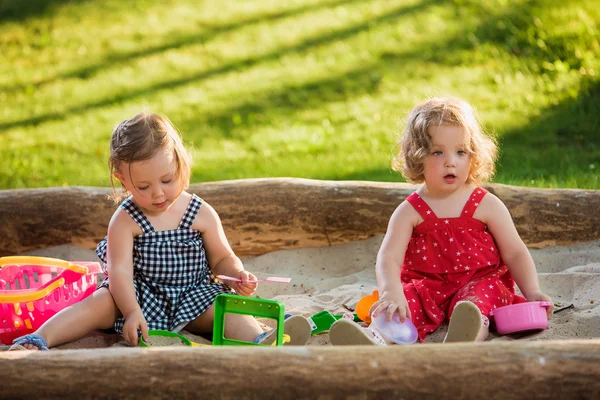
<point x="302" y="88"/>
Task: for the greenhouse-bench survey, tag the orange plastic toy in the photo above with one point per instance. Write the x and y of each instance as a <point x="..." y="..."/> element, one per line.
<point x="364" y="305"/>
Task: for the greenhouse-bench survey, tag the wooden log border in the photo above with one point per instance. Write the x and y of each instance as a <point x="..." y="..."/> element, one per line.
<point x="492" y="370"/>
<point x="263" y="215"/>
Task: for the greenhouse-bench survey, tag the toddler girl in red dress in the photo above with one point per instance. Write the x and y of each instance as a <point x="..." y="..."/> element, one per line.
<point x="451" y="251"/>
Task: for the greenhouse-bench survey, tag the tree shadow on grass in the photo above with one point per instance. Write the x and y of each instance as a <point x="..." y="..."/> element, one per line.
<point x="521" y="32"/>
<point x="115" y="59"/>
<point x="512" y="29"/>
<point x="314" y="41"/>
<point x="20" y="10"/>
<point x="288" y="100"/>
<point x="564" y="139"/>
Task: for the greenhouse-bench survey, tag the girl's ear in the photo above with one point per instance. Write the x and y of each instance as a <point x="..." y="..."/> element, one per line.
<point x="120" y="177"/>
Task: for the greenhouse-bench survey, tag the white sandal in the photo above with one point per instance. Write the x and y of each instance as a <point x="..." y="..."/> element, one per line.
<point x="467" y="324"/>
<point x="297" y="327"/>
<point x="347" y="333"/>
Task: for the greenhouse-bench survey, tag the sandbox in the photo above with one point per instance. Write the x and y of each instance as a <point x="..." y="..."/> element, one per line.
<point x="324" y="235"/>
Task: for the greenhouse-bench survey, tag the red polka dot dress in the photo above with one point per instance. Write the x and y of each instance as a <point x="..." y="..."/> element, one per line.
<point x="450" y="260"/>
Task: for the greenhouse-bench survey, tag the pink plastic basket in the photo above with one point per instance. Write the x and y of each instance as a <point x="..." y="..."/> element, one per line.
<point x="33" y="289"/>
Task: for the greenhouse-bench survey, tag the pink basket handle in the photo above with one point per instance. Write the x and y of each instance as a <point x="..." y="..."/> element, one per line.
<point x="71" y="272"/>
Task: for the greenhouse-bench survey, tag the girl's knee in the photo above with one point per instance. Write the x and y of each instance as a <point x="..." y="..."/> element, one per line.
<point x="103" y="305"/>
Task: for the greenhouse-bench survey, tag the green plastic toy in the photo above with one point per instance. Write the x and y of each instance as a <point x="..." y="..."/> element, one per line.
<point x="168" y="334"/>
<point x="231" y="303"/>
<point x="322" y="321"/>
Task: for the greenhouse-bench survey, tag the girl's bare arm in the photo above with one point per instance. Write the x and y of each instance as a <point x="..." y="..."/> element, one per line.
<point x="221" y="258"/>
<point x="513" y="251"/>
<point x="119" y="255"/>
<point x="390" y="259"/>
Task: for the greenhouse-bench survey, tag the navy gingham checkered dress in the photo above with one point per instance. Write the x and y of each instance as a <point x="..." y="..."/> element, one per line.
<point x="170" y="272"/>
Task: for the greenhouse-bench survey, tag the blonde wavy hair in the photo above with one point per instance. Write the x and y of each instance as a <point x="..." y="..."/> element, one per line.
<point x="414" y="144"/>
<point x="139" y="139"/>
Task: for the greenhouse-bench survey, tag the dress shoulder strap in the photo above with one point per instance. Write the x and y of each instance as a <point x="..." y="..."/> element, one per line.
<point x="421" y="206"/>
<point x="473" y="202"/>
<point x="190" y="213"/>
<point x="137" y="215"/>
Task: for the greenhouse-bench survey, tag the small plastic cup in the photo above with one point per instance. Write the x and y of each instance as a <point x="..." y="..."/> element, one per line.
<point x="395" y="331"/>
<point x="159" y="332"/>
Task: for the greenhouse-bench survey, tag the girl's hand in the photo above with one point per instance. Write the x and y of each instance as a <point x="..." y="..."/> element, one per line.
<point x="134" y="321"/>
<point x="538" y="295"/>
<point x="247" y="286"/>
<point x="389" y="303"/>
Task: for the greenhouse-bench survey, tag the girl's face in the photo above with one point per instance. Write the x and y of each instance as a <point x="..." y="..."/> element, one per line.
<point x="153" y="183"/>
<point x="446" y="168"/>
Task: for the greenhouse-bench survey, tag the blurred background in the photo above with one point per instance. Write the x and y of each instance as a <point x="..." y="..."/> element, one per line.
<point x="297" y="88"/>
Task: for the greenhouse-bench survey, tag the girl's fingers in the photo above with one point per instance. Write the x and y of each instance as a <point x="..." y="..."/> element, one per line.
<point x="373" y="308"/>
<point x="550" y="310"/>
<point x="144" y="329"/>
<point x="133" y="337"/>
<point x="246" y="277"/>
<point x="391" y="308"/>
<point x="242" y="291"/>
<point x="249" y="286"/>
<point x="383" y="308"/>
<point x="377" y="308"/>
<point x="402" y="312"/>
<point x="126" y="336"/>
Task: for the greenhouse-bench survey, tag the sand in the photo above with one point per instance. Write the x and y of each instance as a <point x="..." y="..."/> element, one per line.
<point x="160" y="341"/>
<point x="335" y="278"/>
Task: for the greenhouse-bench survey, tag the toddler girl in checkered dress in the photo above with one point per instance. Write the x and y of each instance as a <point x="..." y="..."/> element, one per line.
<point x="451" y="251"/>
<point x="163" y="243"/>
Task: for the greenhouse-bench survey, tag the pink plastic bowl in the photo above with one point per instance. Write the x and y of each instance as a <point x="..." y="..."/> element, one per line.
<point x="521" y="317"/>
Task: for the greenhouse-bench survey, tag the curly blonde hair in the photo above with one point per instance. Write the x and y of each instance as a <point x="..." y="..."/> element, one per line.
<point x="414" y="144"/>
<point x="139" y="139"/>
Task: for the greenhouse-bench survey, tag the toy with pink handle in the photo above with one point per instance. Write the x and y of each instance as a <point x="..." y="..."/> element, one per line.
<point x="521" y="317"/>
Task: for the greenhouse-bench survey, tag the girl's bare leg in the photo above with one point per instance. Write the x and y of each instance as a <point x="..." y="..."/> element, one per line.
<point x="98" y="311"/>
<point x="239" y="327"/>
